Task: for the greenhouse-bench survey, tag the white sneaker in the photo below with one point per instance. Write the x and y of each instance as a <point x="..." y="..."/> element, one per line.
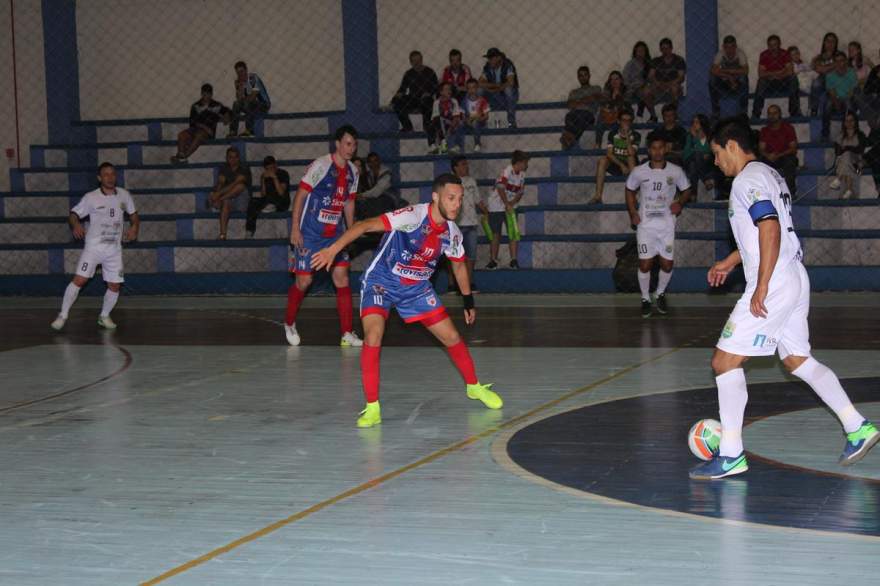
<point x="292" y="335"/>
<point x="270" y="208"/>
<point x="433" y="149"/>
<point x="477" y="148"/>
<point x="847" y="194"/>
<point x="351" y="339"/>
<point x="58" y="324"/>
<point x="454" y="150"/>
<point x="105" y="322"/>
<point x="835" y="183"/>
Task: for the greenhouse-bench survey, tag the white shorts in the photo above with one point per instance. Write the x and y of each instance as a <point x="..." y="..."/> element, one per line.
<point x="654" y="240"/>
<point x="785" y="328"/>
<point x="110" y="261"/>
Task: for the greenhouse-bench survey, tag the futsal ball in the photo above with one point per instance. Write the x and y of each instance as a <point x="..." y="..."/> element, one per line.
<point x="704" y="438"/>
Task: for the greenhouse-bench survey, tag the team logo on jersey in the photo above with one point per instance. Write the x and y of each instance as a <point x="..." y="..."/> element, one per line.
<point x="754" y="194"/>
<point x="412" y="272"/>
<point x="763" y="340"/>
<point x="728" y="330"/>
<point x="432" y="301"/>
<point x="669" y="180"/>
<point x="122" y="206"/>
<point x="378" y="289"/>
<point x="426" y="229"/>
<point x="668" y="248"/>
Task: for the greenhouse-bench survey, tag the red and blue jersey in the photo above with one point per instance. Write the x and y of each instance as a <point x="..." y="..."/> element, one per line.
<point x="328" y="187"/>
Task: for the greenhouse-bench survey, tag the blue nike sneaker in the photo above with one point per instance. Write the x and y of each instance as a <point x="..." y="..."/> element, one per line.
<point x="858" y="443"/>
<point x="720" y="467"/>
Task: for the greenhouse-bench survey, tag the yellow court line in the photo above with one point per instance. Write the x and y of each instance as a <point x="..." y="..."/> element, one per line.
<point x="400" y="471"/>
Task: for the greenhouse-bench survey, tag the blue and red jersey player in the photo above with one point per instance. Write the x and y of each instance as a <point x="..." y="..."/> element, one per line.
<point x="326" y="194"/>
<point x="398" y="277"/>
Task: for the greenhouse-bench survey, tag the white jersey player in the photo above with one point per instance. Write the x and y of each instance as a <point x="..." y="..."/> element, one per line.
<point x="771" y="316"/>
<point x="657" y="182"/>
<point x="106" y="208"/>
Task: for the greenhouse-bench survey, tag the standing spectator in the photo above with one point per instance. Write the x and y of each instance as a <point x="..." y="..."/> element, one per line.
<point x="416" y="94"/>
<point x="447" y="124"/>
<point x="620" y="157"/>
<point x="699" y="162"/>
<point x="778" y="148"/>
<point x="776" y="76"/>
<point x="500" y="84"/>
<point x="274" y="194"/>
<point x="849" y="149"/>
<point x="613" y="102"/>
<point x="805" y="73"/>
<point x="233" y="179"/>
<point x="375" y="196"/>
<point x="457" y="74"/>
<point x="476" y="112"/>
<point x="840" y="86"/>
<point x="872" y="156"/>
<point x="472" y="207"/>
<point x="822" y="64"/>
<point x="583" y="102"/>
<point x="203" y="118"/>
<point x="729" y="76"/>
<point x="509" y="190"/>
<point x="869" y="98"/>
<point x="674" y="135"/>
<point x="860" y="64"/>
<point x="251" y="99"/>
<point x="635" y="78"/>
<point x="666" y="75"/>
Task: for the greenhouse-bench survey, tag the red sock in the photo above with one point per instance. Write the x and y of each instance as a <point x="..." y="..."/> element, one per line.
<point x="294" y="299"/>
<point x="370" y="371"/>
<point x="343" y="308"/>
<point x="463" y="362"/>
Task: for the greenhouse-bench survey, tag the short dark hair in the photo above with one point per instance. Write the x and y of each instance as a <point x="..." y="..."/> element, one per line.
<point x="207" y="88"/>
<point x="455" y="53"/>
<point x="105" y="165"/>
<point x="519" y="156"/>
<point x="269" y="160"/>
<point x="345" y="129"/>
<point x="736" y="129"/>
<point x="443" y="180"/>
<point x="233" y="149"/>
<point x="665" y="41"/>
<point x="372" y="154"/>
<point x="840" y="54"/>
<point x="584" y="68"/>
<point x="414" y="53"/>
<point x="470" y="81"/>
<point x="670" y="107"/>
<point x="240" y="64"/>
<point x="625" y="112"/>
<point x="729" y="40"/>
<point x="654" y="136"/>
<point x="793" y="48"/>
<point x="456" y="160"/>
<point x="443" y="85"/>
<point x="776" y="37"/>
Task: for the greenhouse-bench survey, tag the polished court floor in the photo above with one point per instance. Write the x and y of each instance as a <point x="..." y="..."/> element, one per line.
<point x="192" y="446"/>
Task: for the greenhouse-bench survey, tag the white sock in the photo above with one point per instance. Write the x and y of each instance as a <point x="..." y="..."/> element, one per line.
<point x="826" y="384"/>
<point x="663" y="281"/>
<point x="110" y="298"/>
<point x="732" y="398"/>
<point x="70" y="295"/>
<point x="645" y="285"/>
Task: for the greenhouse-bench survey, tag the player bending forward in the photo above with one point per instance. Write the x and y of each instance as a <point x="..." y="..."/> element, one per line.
<point x="771" y="316"/>
<point x="105" y="208"/>
<point x="414" y="239"/>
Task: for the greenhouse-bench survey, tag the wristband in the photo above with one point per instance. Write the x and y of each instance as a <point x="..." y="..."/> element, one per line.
<point x="468" y="301"/>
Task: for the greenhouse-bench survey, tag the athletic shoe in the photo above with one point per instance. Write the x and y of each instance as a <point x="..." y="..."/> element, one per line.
<point x="454" y="150"/>
<point x="58" y="324"/>
<point x="477" y="148"/>
<point x="270" y="208"/>
<point x="485" y="394"/>
<point x="661" y="303"/>
<point x="442" y="149"/>
<point x="835" y="183"/>
<point x="646" y="308"/>
<point x="291" y="334"/>
<point x="514" y="264"/>
<point x="858" y="443"/>
<point x="105" y="322"/>
<point x="350" y="339"/>
<point x="847" y="194"/>
<point x="370" y="416"/>
<point x="246" y="134"/>
<point x="492" y="265"/>
<point x="720" y="467"/>
<point x="433" y="149"/>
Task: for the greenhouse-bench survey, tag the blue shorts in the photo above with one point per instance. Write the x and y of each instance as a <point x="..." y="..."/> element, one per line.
<point x="469" y="240"/>
<point x="299" y="260"/>
<point x="418" y="302"/>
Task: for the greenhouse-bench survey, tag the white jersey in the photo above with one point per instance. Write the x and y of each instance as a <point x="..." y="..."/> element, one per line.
<point x="657" y="188"/>
<point x="106" y="218"/>
<point x="512" y="183"/>
<point x="759" y="193"/>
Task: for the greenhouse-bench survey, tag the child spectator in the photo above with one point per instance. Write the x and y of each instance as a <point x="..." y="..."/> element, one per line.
<point x="476" y="112"/>
<point x="509" y="189"/>
<point x="472" y="207"/>
<point x="447" y="122"/>
<point x="806" y="75"/>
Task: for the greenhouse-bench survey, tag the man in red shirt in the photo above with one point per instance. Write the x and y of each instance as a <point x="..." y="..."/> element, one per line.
<point x="776" y="77"/>
<point x="457" y="74"/>
<point x="778" y="145"/>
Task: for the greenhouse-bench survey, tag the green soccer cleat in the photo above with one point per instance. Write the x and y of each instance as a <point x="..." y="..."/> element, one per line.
<point x="370" y="416"/>
<point x="485" y="394"/>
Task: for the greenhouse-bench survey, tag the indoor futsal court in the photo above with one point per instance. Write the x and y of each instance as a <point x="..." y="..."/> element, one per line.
<point x="193" y="446"/>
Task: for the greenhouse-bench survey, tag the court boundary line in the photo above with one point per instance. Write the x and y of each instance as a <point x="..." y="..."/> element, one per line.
<point x="382" y="479"/>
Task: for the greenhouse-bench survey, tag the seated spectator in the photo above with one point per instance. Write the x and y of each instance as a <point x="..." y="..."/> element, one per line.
<point x="274" y="194"/>
<point x="613" y="101"/>
<point x="848" y="148"/>
<point x="666" y="75"/>
<point x="375" y="196"/>
<point x="457" y="74"/>
<point x="699" y="162"/>
<point x="860" y="64"/>
<point x="674" y="135"/>
<point x="203" y="118"/>
<point x="509" y="190"/>
<point x="840" y="87"/>
<point x="822" y="64"/>
<point x="869" y="98"/>
<point x="620" y="157"/>
<point x="233" y="179"/>
<point x="583" y="102"/>
<point x="729" y="76"/>
<point x="805" y="73"/>
<point x="635" y="78"/>
<point x="776" y="76"/>
<point x="476" y="112"/>
<point x="416" y="94"/>
<point x="499" y="84"/>
<point x="872" y="156"/>
<point x="251" y="100"/>
<point x="472" y="207"/>
<point x="777" y="145"/>
<point x="447" y="123"/>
